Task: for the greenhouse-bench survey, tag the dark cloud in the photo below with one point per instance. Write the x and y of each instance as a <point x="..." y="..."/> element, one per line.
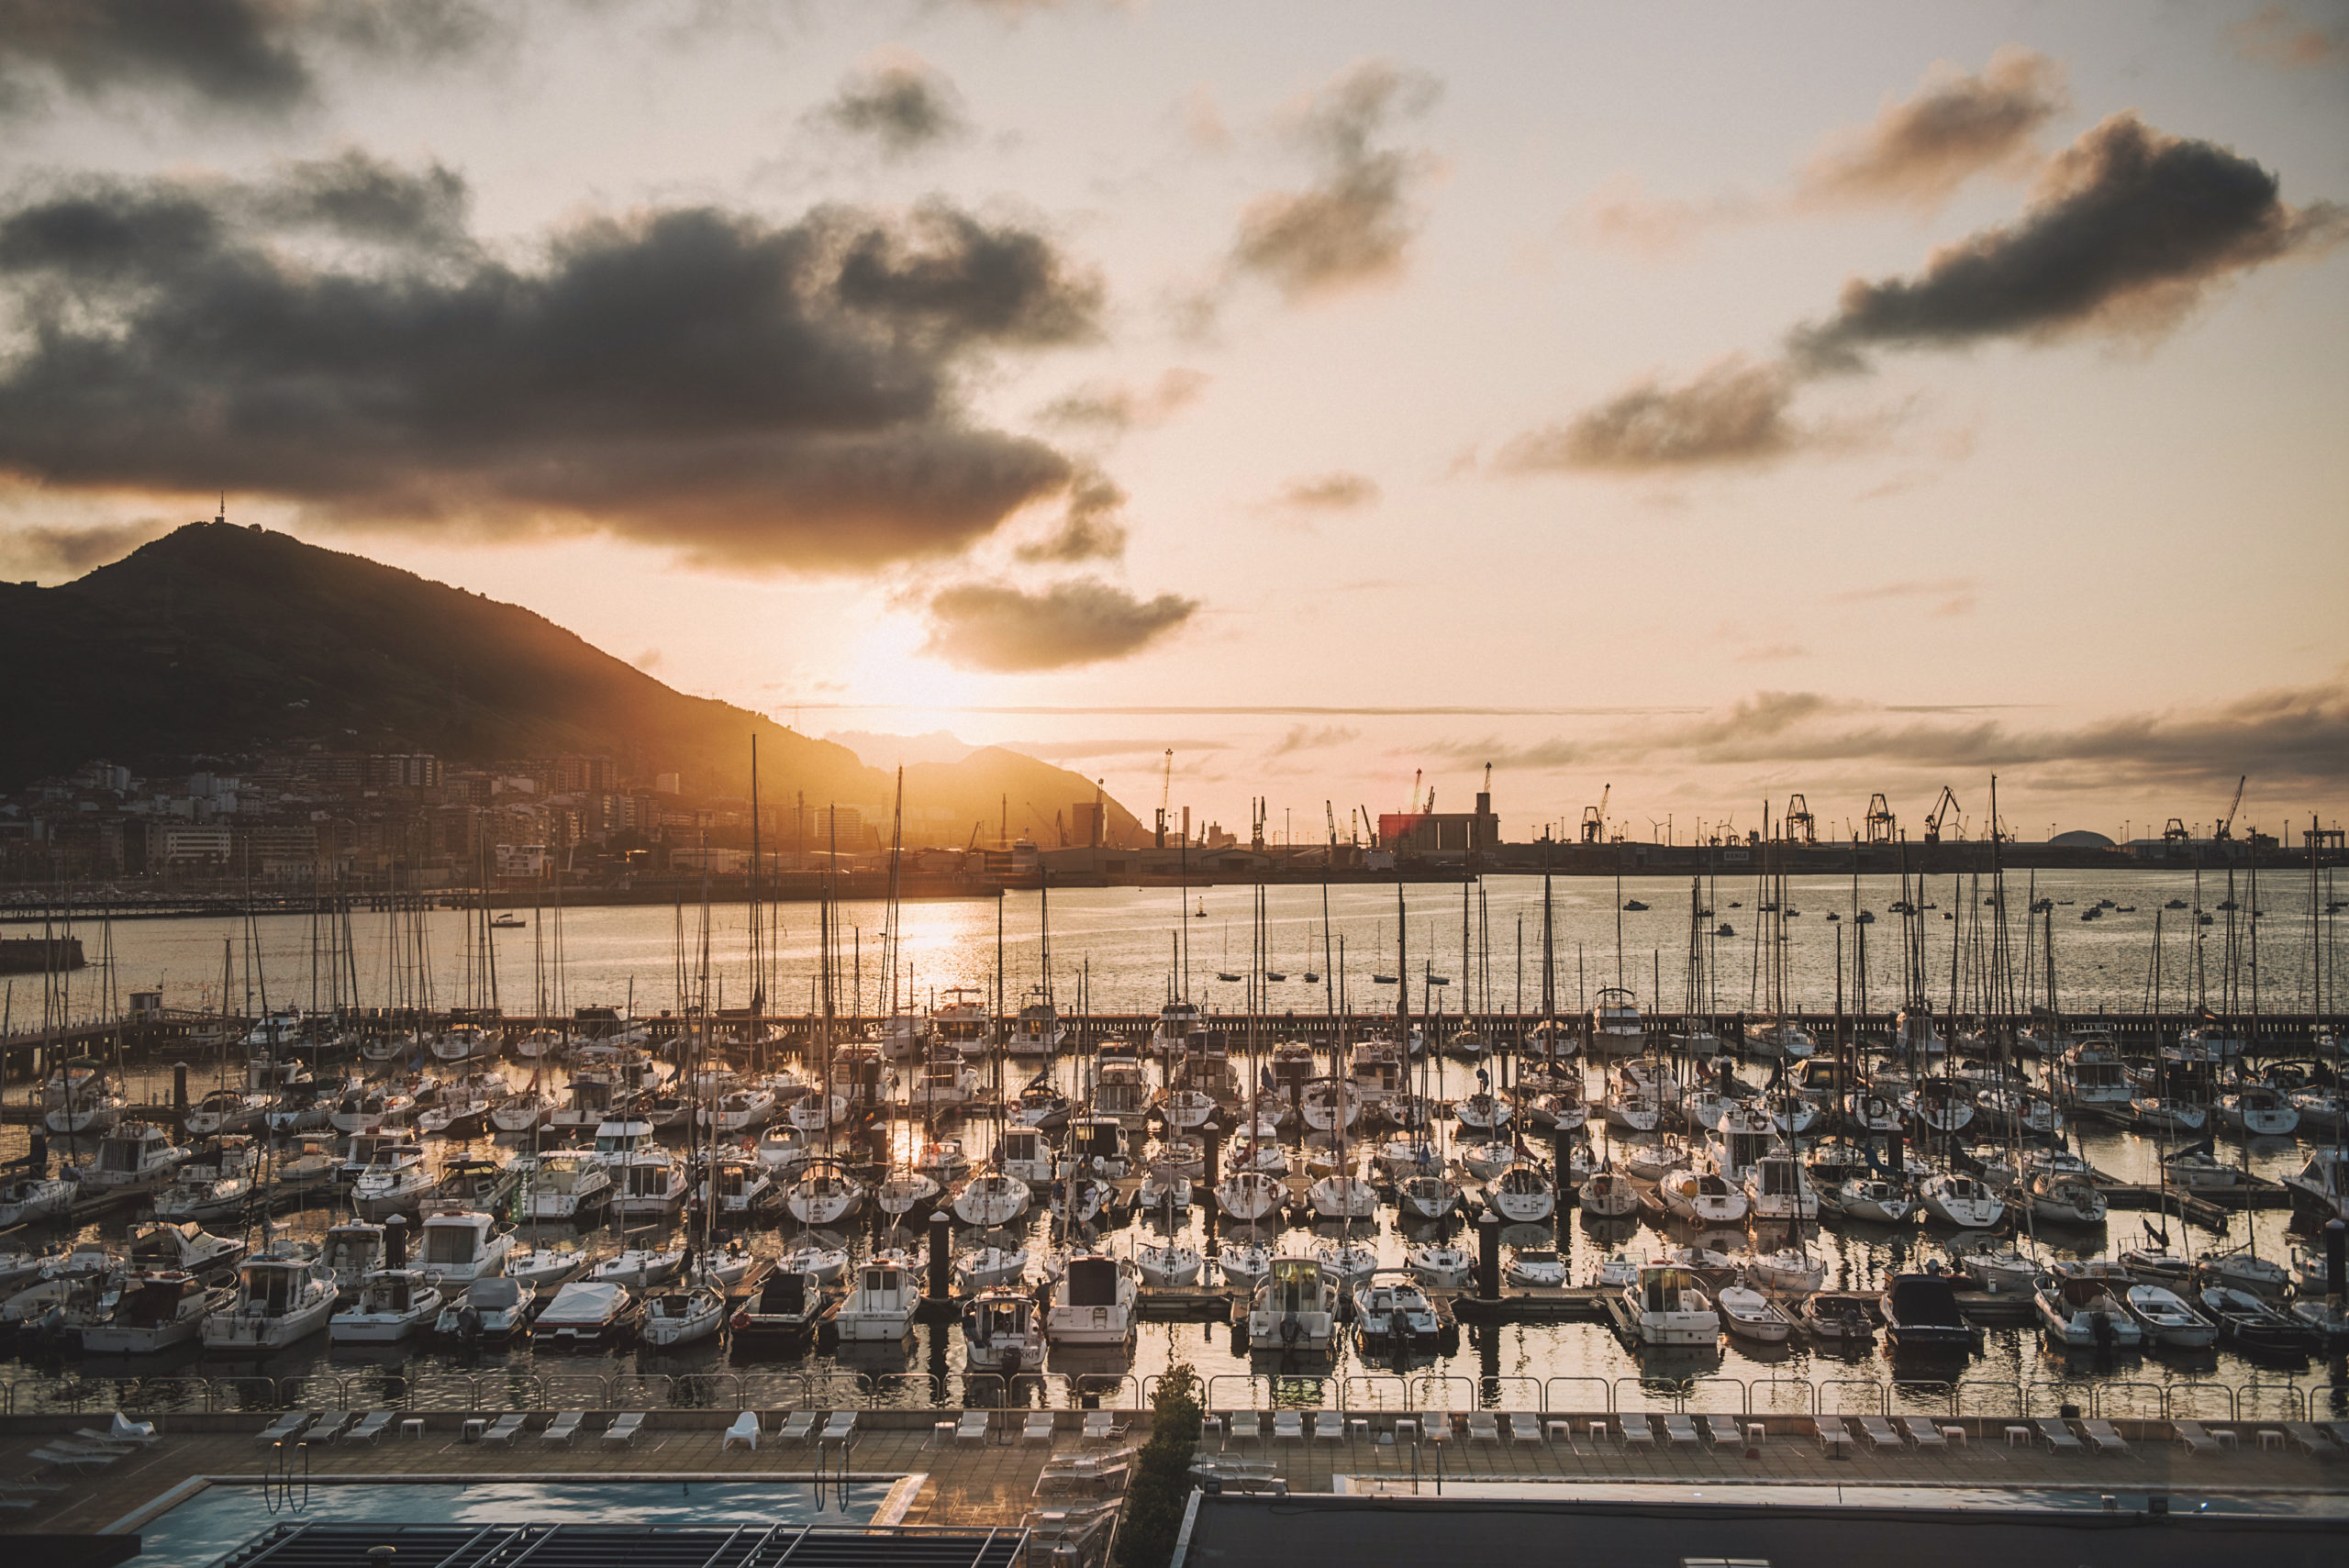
<point x="73" y="550"/>
<point x="752" y="395"/>
<point x="1338" y="491"/>
<point x="997" y="627"/>
<point x="1114" y="407"/>
<point x="1088" y="530"/>
<point x="2128" y="228"/>
<point x="904" y="106"/>
<point x="257" y="57"/>
<point x="1922" y="148"/>
<point x="1313" y="738"/>
<point x="1354" y="225"/>
<point x="1734" y="413"/>
<point x="1152" y="747"/>
<point x="1541" y="756"/>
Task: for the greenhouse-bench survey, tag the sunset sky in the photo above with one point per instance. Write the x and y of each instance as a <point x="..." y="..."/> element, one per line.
<point x="1714" y="402"/>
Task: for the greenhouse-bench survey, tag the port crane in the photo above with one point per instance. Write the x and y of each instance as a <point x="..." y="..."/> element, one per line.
<point x="1330" y="810"/>
<point x="1939" y="814"/>
<point x="2225" y="829"/>
<point x="1800" y="821"/>
<point x="1594" y="819"/>
<point x="1165" y="797"/>
<point x="1880" y="821"/>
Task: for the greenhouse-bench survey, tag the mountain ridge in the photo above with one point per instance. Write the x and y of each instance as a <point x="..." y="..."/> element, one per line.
<point x="218" y="639"/>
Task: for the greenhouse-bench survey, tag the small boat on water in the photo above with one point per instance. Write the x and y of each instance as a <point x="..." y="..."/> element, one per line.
<point x="1294" y="1309"/>
<point x="1002" y="1331"/>
<point x="2250" y="1325"/>
<point x="1537" y="1268"/>
<point x="1609" y="1195"/>
<point x="1837" y="1319"/>
<point x="2081" y="1313"/>
<point x="492" y="1311"/>
<point x="1440" y="1263"/>
<point x="1665" y="1305"/>
<point x="586" y="1315"/>
<point x="1395" y="1315"/>
<point x="677" y="1318"/>
<point x="2167" y="1321"/>
<point x="1750" y="1315"/>
<point x="392" y="1305"/>
<point x="284" y="1293"/>
<point x="1173" y="1263"/>
<point x="153" y="1311"/>
<point x="881" y="1308"/>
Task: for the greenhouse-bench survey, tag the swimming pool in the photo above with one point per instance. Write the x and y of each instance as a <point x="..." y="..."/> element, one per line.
<point x="1815" y="1495"/>
<point x="221" y="1516"/>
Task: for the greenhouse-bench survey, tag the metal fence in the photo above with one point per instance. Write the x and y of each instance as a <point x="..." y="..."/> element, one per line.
<point x="772" y="1390"/>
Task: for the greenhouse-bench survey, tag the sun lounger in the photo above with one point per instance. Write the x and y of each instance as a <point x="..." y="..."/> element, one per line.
<point x="799" y="1425"/>
<point x="1097" y="1426"/>
<point x="1525" y="1426"/>
<point x="79" y="1461"/>
<point x="329" y="1425"/>
<point x="508" y="1427"/>
<point x="971" y="1428"/>
<point x="1681" y="1430"/>
<point x="563" y="1428"/>
<point x="31" y="1485"/>
<point x="2340" y="1430"/>
<point x="624" y="1427"/>
<point x="1038" y="1428"/>
<point x="1249" y="1424"/>
<point x="79" y="1444"/>
<point x="2200" y="1443"/>
<point x="372" y="1425"/>
<point x="1484" y="1427"/>
<point x="2058" y="1437"/>
<point x="1879" y="1432"/>
<point x="2106" y="1436"/>
<point x="1288" y="1426"/>
<point x="1723" y="1430"/>
<point x="1637" y="1430"/>
<point x="1328" y="1427"/>
<point x="1923" y="1432"/>
<point x="1834" y="1436"/>
<point x="2309" y="1438"/>
<point x="840" y="1428"/>
<point x="1436" y="1426"/>
<point x="745" y="1430"/>
<point x="283" y="1428"/>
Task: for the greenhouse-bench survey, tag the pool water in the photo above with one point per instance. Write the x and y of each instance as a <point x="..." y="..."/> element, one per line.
<point x="2090" y="1499"/>
<point x="224" y="1514"/>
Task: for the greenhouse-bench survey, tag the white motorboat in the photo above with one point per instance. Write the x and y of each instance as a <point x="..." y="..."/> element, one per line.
<point x="881" y="1308"/>
<point x="1169" y="1265"/>
<point x="2197" y="1170"/>
<point x="544" y="1268"/>
<point x="2159" y="1112"/>
<point x="218" y="1181"/>
<point x="1537" y="1268"/>
<point x="783" y="1149"/>
<point x="640" y="1268"/>
<point x="394" y="1182"/>
<point x="588" y="1314"/>
<point x="1778" y="1188"/>
<point x="1961" y="1200"/>
<point x="1778" y="1040"/>
<point x="1616" y="1026"/>
<point x="735" y="1112"/>
<point x="1393" y="1314"/>
<point x="2082" y="1313"/>
<point x="131" y="1157"/>
<point x="226" y="1111"/>
<point x="651" y="1184"/>
<point x="391" y="1305"/>
<point x="677" y="1317"/>
<point x="284" y="1294"/>
<point x="1093" y="1302"/>
<point x="187" y="1247"/>
<point x="2240" y="1270"/>
<point x="811" y="1114"/>
<point x="1702" y="1197"/>
<point x="992" y="1198"/>
<point x="1523" y="1196"/>
<point x="566" y="1186"/>
<point x="1295" y="1308"/>
<point x="459" y="1246"/>
<point x="1665" y="1305"/>
<point x="1164" y="1186"/>
<point x="1750" y="1315"/>
<point x="1027" y="1154"/>
<point x="492" y="1311"/>
<point x="2167" y="1319"/>
<point x="351" y="1251"/>
<point x="524" y="1112"/>
<point x="1002" y="1331"/>
<point x="153" y="1311"/>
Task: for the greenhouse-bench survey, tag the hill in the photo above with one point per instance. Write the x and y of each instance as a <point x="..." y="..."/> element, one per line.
<point x="218" y="640"/>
